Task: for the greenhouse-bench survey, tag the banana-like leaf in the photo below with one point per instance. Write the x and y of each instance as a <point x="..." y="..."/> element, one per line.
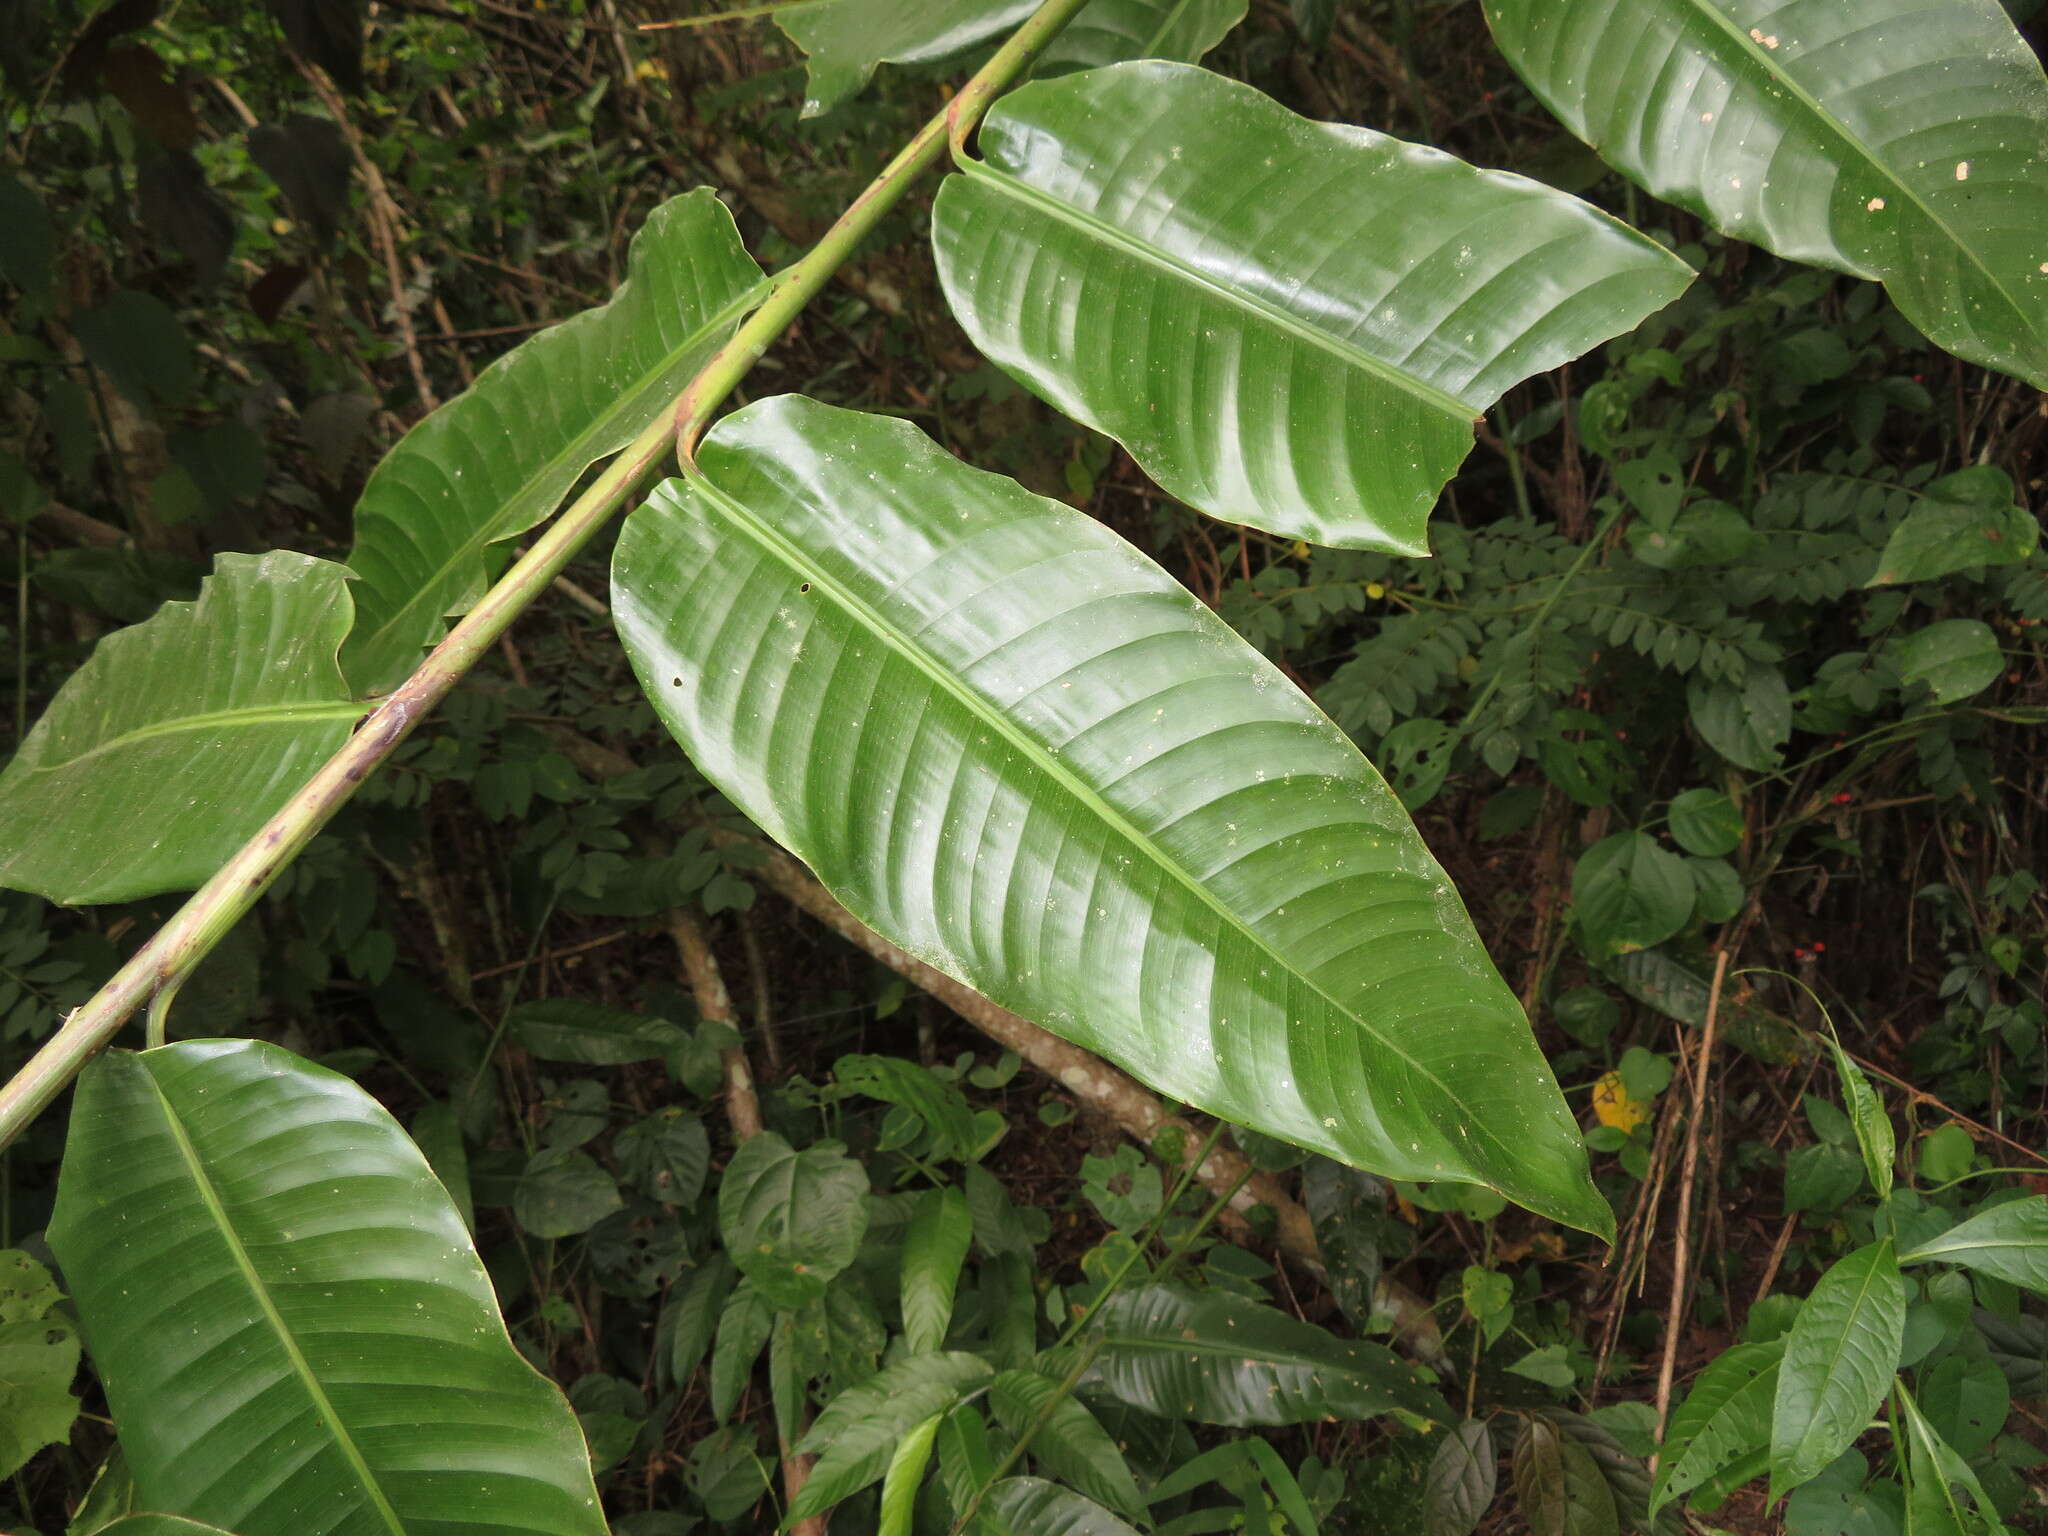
<point x="1110" y="31"/>
<point x="287" y="1314"/>
<point x="1892" y="139"/>
<point x="1218" y="1358"/>
<point x="499" y="457"/>
<point x="181" y="735"/>
<point x="1017" y="748"/>
<point x="1287" y="323"/>
<point x="161" y="1525"/>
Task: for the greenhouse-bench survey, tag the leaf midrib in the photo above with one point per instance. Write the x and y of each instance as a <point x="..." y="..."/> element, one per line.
<point x="1757" y="54"/>
<point x="1100" y="229"/>
<point x="1034" y="752"/>
<point x="491" y="531"/>
<point x="289" y="1344"/>
<point x="252" y="716"/>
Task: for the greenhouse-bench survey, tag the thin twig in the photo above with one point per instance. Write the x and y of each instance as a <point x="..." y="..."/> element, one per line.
<point x="384" y="221"/>
<point x="743" y="1110"/>
<point x="1681" y="1262"/>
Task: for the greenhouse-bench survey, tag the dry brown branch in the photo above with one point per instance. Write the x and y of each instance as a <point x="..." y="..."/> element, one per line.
<point x="1673" y="1314"/>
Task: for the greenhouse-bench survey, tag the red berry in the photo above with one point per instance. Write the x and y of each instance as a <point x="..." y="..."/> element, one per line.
<point x="1843" y="798"/>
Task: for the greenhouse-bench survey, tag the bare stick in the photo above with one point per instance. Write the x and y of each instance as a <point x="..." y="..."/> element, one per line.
<point x="1680" y="1264"/>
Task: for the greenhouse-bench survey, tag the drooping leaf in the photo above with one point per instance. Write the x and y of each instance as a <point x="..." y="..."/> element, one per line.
<point x="38" y="1359"/>
<point x="855" y="1435"/>
<point x="1219" y="1358"/>
<point x="1558" y="1485"/>
<point x="1030" y="1506"/>
<point x="694" y="1310"/>
<point x="666" y="1155"/>
<point x="1726" y="1416"/>
<point x="1706" y="822"/>
<point x="1954" y="658"/>
<point x="1460" y="1483"/>
<point x="1059" y="778"/>
<point x="1746" y="722"/>
<point x="308" y="158"/>
<point x="1965" y="520"/>
<point x="904" y="1477"/>
<point x="491" y="463"/>
<point x="136" y="340"/>
<point x="1939" y="1473"/>
<point x="743" y="1330"/>
<point x="1875" y="1138"/>
<point x="1629" y="893"/>
<point x="1840" y="1358"/>
<point x="2008" y="1242"/>
<point x="933" y="1250"/>
<point x="287" y="1314"/>
<point x="181" y="735"/>
<point x="792" y="1220"/>
<point x="844" y="40"/>
<point x="1111" y="31"/>
<point x="1890" y="139"/>
<point x="570" y="1029"/>
<point x="1288" y="324"/>
<point x="562" y="1192"/>
<point x="1071" y="1443"/>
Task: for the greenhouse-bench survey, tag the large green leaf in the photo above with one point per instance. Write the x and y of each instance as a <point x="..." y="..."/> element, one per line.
<point x="1110" y="31"/>
<point x="1055" y="775"/>
<point x="1219" y="1358"/>
<point x="498" y="458"/>
<point x="792" y="1220"/>
<point x="934" y="1249"/>
<point x="1287" y="323"/>
<point x="1461" y="1480"/>
<point x="181" y="735"/>
<point x="2008" y="1242"/>
<point x="1726" y="1416"/>
<point x="1840" y="1357"/>
<point x="856" y="1434"/>
<point x="1894" y="139"/>
<point x="293" y="1330"/>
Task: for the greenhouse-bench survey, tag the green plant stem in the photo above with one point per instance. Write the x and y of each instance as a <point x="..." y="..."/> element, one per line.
<point x="205" y="918"/>
<point x="796" y="285"/>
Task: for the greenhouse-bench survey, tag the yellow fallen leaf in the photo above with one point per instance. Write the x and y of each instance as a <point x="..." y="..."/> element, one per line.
<point x="1614" y="1107"/>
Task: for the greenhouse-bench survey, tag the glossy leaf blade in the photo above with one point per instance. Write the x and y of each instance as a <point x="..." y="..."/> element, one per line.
<point x="1891" y="139"/>
<point x="1840" y="1357"/>
<point x="181" y="735"/>
<point x="1056" y="776"/>
<point x="1218" y="1358"/>
<point x="1111" y="31"/>
<point x="498" y="458"/>
<point x="287" y="1314"/>
<point x="2008" y="1242"/>
<point x="1289" y="324"/>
